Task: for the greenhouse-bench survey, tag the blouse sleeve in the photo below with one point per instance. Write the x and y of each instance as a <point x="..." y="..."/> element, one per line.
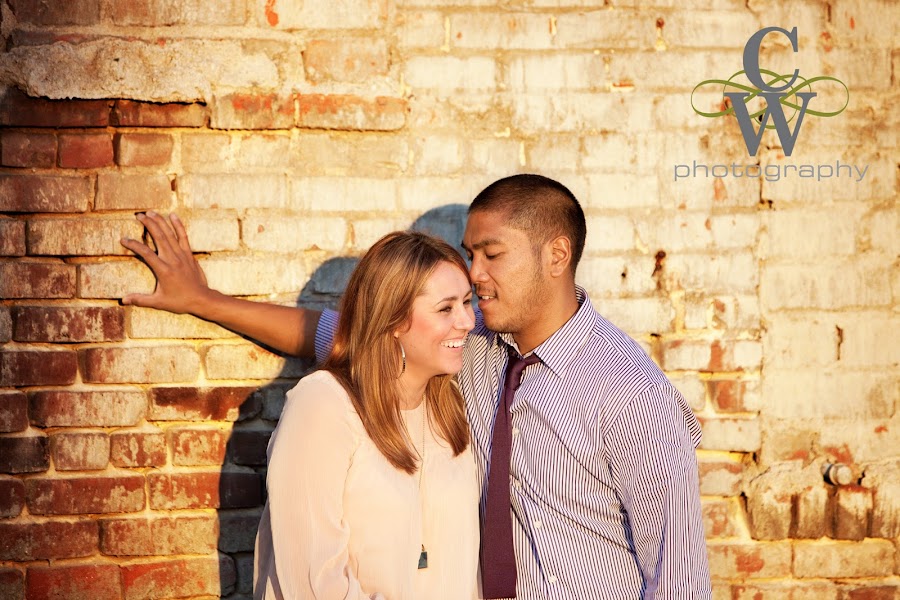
<point x="308" y="463"/>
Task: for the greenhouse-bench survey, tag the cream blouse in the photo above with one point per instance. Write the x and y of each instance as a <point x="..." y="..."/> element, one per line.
<point x="341" y="522"/>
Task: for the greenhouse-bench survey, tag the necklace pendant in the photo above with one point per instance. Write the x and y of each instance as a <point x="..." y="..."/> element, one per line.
<point x="423" y="559"/>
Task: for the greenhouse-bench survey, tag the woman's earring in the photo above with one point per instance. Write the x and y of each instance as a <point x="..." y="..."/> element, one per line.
<point x="403" y="356"/>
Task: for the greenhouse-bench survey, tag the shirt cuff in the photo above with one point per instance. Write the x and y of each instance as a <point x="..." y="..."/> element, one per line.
<point x="325" y="334"/>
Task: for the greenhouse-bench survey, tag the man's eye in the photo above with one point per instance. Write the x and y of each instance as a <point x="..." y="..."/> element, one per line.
<point x="467" y="301"/>
<point x="491" y="256"/>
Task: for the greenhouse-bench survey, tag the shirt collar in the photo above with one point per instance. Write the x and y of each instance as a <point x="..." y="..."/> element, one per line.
<point x="558" y="350"/>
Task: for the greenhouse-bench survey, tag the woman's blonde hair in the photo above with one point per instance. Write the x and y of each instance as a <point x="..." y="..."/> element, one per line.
<point x="366" y="357"/>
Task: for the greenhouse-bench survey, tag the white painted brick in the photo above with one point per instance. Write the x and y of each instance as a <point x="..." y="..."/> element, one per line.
<point x="438" y="155"/>
<point x="343" y="194"/>
<point x="870" y="339"/>
<point x="247" y="361"/>
<point x="737" y="230"/>
<point x="602" y="276"/>
<point x="610" y="234"/>
<point x="263" y="152"/>
<point x="874" y="440"/>
<point x="676" y="70"/>
<point x="426" y="193"/>
<point x="554" y="72"/>
<point x="114" y="279"/>
<point x="828" y="394"/>
<point x="554" y="153"/>
<point x="350" y="154"/>
<point x="336" y="14"/>
<point x="450" y="74"/>
<point x="233" y="191"/>
<point x="489" y="31"/>
<point x="577" y="112"/>
<point x="619" y="190"/>
<point x="721" y="29"/>
<point x="747" y="354"/>
<point x="244" y="276"/>
<point x="692" y="388"/>
<point x="812" y="234"/>
<point x="610" y="152"/>
<point x="639" y="316"/>
<point x="722" y="312"/>
<point x="608" y="28"/>
<point x="495" y="156"/>
<point x="878" y="183"/>
<point x="800" y="340"/>
<point x="421" y="29"/>
<point x="717" y="273"/>
<point x="881" y="231"/>
<point x="212" y="234"/>
<point x="366" y="232"/>
<point x="866" y="23"/>
<point x="207" y="152"/>
<point x="826" y="285"/>
<point x="676" y="232"/>
<point x="733" y="435"/>
<point x="293" y="234"/>
<point x="150" y="323"/>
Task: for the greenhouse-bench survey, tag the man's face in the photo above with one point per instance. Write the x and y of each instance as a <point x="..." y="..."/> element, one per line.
<point x="506" y="270"/>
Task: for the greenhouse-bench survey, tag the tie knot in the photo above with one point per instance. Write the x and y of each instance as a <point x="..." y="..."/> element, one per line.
<point x="515" y="366"/>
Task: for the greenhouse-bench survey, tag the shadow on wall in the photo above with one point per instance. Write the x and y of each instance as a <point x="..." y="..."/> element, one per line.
<point x="245" y="457"/>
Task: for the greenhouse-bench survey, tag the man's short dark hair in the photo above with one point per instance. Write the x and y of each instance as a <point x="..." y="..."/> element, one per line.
<point x="539" y="206"/>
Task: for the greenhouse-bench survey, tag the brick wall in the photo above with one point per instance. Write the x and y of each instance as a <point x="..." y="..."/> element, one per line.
<point x="290" y="135"/>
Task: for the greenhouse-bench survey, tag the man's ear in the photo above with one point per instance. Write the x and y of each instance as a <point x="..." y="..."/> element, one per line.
<point x="560" y="250"/>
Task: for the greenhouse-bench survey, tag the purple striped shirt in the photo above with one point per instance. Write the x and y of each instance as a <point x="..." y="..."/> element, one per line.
<point x="603" y="475"/>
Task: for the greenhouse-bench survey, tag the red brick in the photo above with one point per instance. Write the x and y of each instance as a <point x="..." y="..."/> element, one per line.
<point x="5" y="326"/>
<point x="24" y="454"/>
<point x="253" y="111"/>
<point x="749" y="560"/>
<point x="722" y="518"/>
<point x="143" y="364"/>
<point x="870" y="591"/>
<point x="237" y="531"/>
<point x="853" y="510"/>
<point x="357" y="60"/>
<point x="30" y="367"/>
<point x="157" y="14"/>
<point x="63" y="324"/>
<point x="13" y="411"/>
<point x="45" y="193"/>
<point x="47" y="540"/>
<point x="21" y="279"/>
<point x="179" y="578"/>
<point x="12" y="584"/>
<point x="21" y="149"/>
<point x="143" y="149"/>
<point x="319" y="111"/>
<point x="130" y="113"/>
<point x="17" y="109"/>
<point x="72" y="12"/>
<point x="12" y="237"/>
<point x="85" y="150"/>
<point x="97" y="408"/>
<point x="248" y="447"/>
<point x="12" y="498"/>
<point x="727" y="395"/>
<point x="138" y="449"/>
<point x="193" y="447"/>
<point x="206" y="489"/>
<point x="68" y="236"/>
<point x="83" y="451"/>
<point x="201" y="404"/>
<point x="85" y="495"/>
<point x="156" y="537"/>
<point x="75" y="582"/>
<point x="117" y="191"/>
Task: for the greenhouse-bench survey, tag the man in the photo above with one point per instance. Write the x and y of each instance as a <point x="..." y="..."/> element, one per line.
<point x="602" y="474"/>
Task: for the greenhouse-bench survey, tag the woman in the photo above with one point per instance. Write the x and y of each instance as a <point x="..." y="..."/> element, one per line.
<point x="372" y="490"/>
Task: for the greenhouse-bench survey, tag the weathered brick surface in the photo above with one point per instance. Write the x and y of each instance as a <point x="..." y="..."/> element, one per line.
<point x="79" y="12"/>
<point x="253" y="111"/>
<point x="347" y="59"/>
<point x="85" y="495"/>
<point x="204" y="489"/>
<point x="129" y="113"/>
<point x="78" y="582"/>
<point x="113" y="279"/>
<point x="201" y="404"/>
<point x="85" y="151"/>
<point x="35" y="367"/>
<point x="138" y="448"/>
<point x="68" y="324"/>
<point x="12" y="583"/>
<point x="317" y="111"/>
<point x="17" y="109"/>
<point x="118" y="191"/>
<point x="141" y="364"/>
<point x="143" y="149"/>
<point x="5" y="325"/>
<point x="177" y="577"/>
<point x="837" y="559"/>
<point x="237" y="530"/>
<point x="13" y="411"/>
<point x="12" y="497"/>
<point x="24" y="454"/>
<point x="12" y="237"/>
<point x="158" y="536"/>
<point x="196" y="446"/>
<point x="21" y="149"/>
<point x="99" y="407"/>
<point x="749" y="560"/>
<point x="248" y="446"/>
<point x="83" y="451"/>
<point x="95" y="237"/>
<point x="154" y="324"/>
<point x="30" y="279"/>
<point x="245" y="361"/>
<point x="45" y="193"/>
<point x="47" y="540"/>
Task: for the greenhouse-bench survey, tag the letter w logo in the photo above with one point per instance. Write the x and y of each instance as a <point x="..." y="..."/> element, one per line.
<point x="775" y="109"/>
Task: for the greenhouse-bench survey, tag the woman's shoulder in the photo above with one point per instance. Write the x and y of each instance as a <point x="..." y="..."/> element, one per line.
<point x="320" y="395"/>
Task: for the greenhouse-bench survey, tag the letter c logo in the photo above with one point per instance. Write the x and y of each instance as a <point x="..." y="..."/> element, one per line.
<point x="751" y="58"/>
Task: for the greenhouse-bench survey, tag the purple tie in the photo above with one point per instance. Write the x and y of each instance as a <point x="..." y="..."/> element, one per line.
<point x="498" y="558"/>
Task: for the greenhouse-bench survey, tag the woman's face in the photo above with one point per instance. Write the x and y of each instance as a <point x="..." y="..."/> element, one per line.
<point x="442" y="316"/>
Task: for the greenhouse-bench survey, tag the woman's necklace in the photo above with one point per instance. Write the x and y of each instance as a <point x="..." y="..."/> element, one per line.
<point x="423" y="556"/>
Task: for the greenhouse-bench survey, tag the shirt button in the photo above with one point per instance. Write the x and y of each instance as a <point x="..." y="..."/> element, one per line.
<point x="537" y="524"/>
<point x="552" y="579"/>
<point x="517" y="484"/>
<point x="515" y="431"/>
